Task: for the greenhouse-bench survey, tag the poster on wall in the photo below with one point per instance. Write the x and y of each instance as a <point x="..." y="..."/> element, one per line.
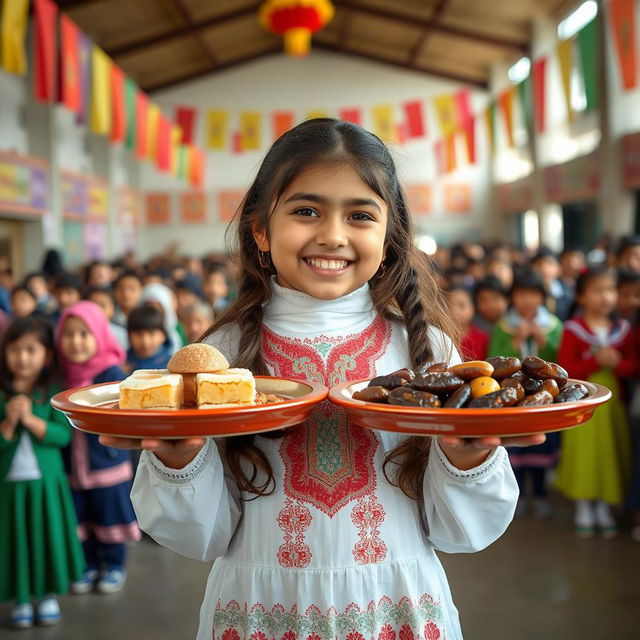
<point x="193" y="209"/>
<point x="229" y="201"/>
<point x="515" y="197"/>
<point x="457" y="198"/>
<point x="418" y="198"/>
<point x="84" y="196"/>
<point x="95" y="240"/>
<point x="24" y="186"/>
<point x="574" y="181"/>
<point x="631" y="160"/>
<point x="129" y="218"/>
<point x="158" y="206"/>
<point x="73" y="242"/>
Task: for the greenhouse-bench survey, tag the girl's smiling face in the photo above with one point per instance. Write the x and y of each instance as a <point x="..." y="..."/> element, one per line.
<point x="76" y="341"/>
<point x="327" y="233"/>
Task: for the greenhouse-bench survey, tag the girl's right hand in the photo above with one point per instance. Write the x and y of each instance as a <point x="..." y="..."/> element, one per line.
<point x="174" y="454"/>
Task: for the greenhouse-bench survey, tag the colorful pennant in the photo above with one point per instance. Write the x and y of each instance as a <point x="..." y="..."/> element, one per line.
<point x="46" y="12"/>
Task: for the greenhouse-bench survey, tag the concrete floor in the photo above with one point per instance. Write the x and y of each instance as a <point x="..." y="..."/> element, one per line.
<point x="537" y="582"/>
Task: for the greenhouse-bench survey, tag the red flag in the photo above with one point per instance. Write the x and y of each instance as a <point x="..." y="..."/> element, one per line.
<point x="142" y="138"/>
<point x="402" y="132"/>
<point x="470" y="139"/>
<point x="236" y="142"/>
<point x="69" y="64"/>
<point x="45" y="53"/>
<point x="414" y="119"/>
<point x="463" y="106"/>
<point x="623" y="24"/>
<point x="282" y="122"/>
<point x="539" y="92"/>
<point x="163" y="156"/>
<point x="118" y="109"/>
<point x="185" y="119"/>
<point x="351" y="115"/>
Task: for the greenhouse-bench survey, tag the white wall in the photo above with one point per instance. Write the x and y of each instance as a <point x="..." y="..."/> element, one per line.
<point x="324" y="81"/>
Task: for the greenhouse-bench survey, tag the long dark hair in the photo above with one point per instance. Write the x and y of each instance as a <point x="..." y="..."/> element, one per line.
<point x="407" y="291"/>
<point x="43" y="331"/>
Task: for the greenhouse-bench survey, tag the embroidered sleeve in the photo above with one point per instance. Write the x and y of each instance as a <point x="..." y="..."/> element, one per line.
<point x="466" y="511"/>
<point x="193" y="511"/>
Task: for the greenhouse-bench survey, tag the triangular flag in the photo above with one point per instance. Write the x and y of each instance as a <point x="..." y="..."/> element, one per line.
<point x="70" y="90"/>
<point x="130" y="98"/>
<point x="196" y="168"/>
<point x="623" y="25"/>
<point x="142" y="125"/>
<point x="470" y="139"/>
<point x="490" y="122"/>
<point x="14" y="28"/>
<point x="217" y="124"/>
<point x="446" y="113"/>
<point x="588" y="45"/>
<point x="250" y="130"/>
<point x="176" y="137"/>
<point x="100" y="92"/>
<point x="153" y="128"/>
<point x="402" y="134"/>
<point x="118" y="108"/>
<point x="45" y="50"/>
<point x="414" y="119"/>
<point x="565" y="60"/>
<point x="351" y="114"/>
<point x="463" y="106"/>
<point x="506" y="106"/>
<point x="539" y="69"/>
<point x="85" y="47"/>
<point x="383" y="124"/>
<point x="282" y="122"/>
<point x="163" y="158"/>
<point x="186" y="118"/>
<point x="524" y="94"/>
<point x="450" y="146"/>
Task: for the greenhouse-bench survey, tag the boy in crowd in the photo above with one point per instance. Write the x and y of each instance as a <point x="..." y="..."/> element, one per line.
<point x="150" y="347"/>
<point x="490" y="301"/>
<point x="127" y="291"/>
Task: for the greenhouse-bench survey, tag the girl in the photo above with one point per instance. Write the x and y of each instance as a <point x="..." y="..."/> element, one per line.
<point x="595" y="459"/>
<point x="474" y="343"/>
<point x="39" y="550"/>
<point x="100" y="476"/>
<point x="316" y="535"/>
<point x="528" y="328"/>
<point x="163" y="297"/>
<point x="197" y="318"/>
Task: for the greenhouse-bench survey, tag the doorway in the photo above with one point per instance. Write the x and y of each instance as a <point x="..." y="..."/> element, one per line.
<point x="581" y="225"/>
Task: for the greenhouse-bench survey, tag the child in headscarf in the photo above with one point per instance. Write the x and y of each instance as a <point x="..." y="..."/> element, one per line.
<point x="100" y="476"/>
<point x="162" y="296"/>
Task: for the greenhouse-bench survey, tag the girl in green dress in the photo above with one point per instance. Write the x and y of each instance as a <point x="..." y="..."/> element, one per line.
<point x="595" y="460"/>
<point x="39" y="550"/>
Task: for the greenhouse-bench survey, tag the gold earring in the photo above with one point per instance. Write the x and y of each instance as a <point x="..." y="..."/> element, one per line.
<point x="382" y="266"/>
<point x="264" y="259"/>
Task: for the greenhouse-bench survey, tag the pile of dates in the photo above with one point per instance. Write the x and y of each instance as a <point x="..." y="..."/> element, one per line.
<point x="479" y="384"/>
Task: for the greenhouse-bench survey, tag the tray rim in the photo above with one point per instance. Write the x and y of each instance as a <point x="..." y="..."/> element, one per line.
<point x="61" y="401"/>
<point x="336" y="394"/>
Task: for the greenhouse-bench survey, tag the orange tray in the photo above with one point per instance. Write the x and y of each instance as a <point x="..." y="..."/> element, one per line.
<point x="94" y="409"/>
<point x="510" y="421"/>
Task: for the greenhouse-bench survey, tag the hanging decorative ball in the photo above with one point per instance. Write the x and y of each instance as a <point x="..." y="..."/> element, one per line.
<point x="295" y="20"/>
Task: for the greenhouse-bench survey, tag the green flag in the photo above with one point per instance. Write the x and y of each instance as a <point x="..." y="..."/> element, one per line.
<point x="130" y="90"/>
<point x="588" y="46"/>
<point x="524" y="96"/>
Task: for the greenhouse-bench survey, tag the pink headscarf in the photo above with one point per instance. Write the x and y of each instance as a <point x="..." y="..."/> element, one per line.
<point x="108" y="354"/>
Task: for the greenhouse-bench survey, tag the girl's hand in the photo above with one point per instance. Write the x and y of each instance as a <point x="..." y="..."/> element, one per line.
<point x="174" y="454"/>
<point x="8" y="429"/>
<point x="608" y="357"/>
<point x="24" y="407"/>
<point x="467" y="453"/>
<point x="13" y="411"/>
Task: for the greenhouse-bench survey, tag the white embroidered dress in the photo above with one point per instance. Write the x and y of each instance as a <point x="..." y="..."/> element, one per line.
<point x="336" y="552"/>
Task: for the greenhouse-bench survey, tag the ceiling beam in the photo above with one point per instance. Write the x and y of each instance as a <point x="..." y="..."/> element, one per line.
<point x="429" y="71"/>
<point x="437" y="14"/>
<point x="65" y="5"/>
<point x="183" y="9"/>
<point x="436" y="27"/>
<point x="166" y="84"/>
<point x="179" y="32"/>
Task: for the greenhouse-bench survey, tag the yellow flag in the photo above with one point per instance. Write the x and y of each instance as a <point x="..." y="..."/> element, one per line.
<point x="250" y="126"/>
<point x="100" y="92"/>
<point x="565" y="58"/>
<point x="383" y="125"/>
<point x="174" y="148"/>
<point x="153" y="124"/>
<point x="445" y="106"/>
<point x="316" y="113"/>
<point x="14" y="28"/>
<point x="217" y="127"/>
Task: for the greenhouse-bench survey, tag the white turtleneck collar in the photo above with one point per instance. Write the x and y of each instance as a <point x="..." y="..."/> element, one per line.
<point x="294" y="313"/>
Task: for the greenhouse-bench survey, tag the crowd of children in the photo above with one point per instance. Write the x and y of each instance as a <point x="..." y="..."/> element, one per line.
<point x="65" y="511"/>
<point x="67" y="329"/>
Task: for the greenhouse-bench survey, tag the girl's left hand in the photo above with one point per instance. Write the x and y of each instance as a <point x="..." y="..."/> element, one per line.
<point x="467" y="453"/>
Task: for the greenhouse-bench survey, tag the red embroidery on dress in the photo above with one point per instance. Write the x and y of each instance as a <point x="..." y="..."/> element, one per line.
<point x="329" y="462"/>
<point x="406" y="632"/>
<point x="294" y="520"/>
<point x="368" y="515"/>
<point x="387" y="633"/>
<point x="431" y="631"/>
